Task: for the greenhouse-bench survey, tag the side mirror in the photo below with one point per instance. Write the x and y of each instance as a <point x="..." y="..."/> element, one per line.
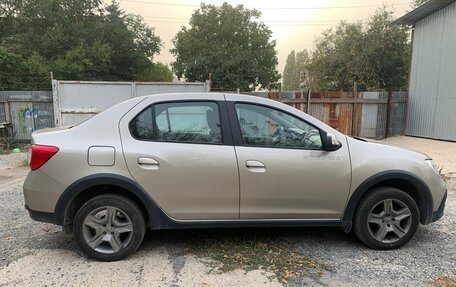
<point x="330" y="142"/>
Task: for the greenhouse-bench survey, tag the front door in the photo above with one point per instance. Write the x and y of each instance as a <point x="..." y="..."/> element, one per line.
<point x="284" y="172"/>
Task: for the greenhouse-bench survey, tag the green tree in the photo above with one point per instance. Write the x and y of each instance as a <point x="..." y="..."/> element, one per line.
<point x="158" y="72"/>
<point x="417" y="3"/>
<point x="18" y="72"/>
<point x="388" y="55"/>
<point x="87" y="62"/>
<point x="75" y="39"/>
<point x="10" y="67"/>
<point x="336" y="60"/>
<point x="295" y="64"/>
<point x="228" y="43"/>
<point x="374" y="55"/>
<point x="288" y="72"/>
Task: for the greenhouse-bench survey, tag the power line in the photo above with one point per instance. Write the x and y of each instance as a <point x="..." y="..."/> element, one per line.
<point x="267" y="8"/>
<point x="282" y="24"/>
<point x="159" y="3"/>
<point x="160" y="21"/>
<point x="264" y="21"/>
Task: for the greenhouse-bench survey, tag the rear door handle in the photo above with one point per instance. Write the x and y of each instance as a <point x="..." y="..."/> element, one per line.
<point x="148" y="163"/>
<point x="255" y="166"/>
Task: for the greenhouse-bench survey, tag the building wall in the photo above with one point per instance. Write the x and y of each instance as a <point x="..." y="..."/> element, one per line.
<point x="432" y="96"/>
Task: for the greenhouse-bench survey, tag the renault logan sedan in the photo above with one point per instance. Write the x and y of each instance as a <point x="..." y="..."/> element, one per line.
<point x="210" y="160"/>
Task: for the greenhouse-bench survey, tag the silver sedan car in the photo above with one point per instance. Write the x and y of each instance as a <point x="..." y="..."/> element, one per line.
<point x="208" y="160"/>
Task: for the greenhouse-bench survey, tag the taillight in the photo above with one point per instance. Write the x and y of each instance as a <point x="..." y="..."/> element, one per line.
<point x="40" y="154"/>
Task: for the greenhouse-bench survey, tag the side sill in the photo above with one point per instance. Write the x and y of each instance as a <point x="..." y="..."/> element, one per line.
<point x="173" y="224"/>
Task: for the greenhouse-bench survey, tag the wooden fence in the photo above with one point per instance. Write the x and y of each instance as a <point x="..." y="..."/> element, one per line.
<point x="368" y="114"/>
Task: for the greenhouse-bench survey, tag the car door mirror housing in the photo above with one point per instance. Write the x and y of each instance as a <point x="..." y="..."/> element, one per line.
<point x="330" y="142"/>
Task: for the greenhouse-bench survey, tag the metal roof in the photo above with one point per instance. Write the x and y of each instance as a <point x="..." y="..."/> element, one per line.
<point x="422" y="11"/>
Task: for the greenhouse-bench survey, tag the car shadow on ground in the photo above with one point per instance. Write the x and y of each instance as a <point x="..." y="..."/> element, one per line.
<point x="327" y="236"/>
<point x="175" y="241"/>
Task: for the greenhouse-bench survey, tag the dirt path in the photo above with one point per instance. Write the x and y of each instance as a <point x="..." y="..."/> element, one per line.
<point x="12" y="167"/>
<point x="443" y="152"/>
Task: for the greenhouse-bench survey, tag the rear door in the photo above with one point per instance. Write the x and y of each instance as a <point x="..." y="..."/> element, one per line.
<point x="181" y="153"/>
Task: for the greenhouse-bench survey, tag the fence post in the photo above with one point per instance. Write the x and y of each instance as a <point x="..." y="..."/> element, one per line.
<point x="388" y="113"/>
<point x="7" y="111"/>
<point x="56" y="103"/>
<point x="308" y="101"/>
<point x="133" y="90"/>
<point x="354" y="110"/>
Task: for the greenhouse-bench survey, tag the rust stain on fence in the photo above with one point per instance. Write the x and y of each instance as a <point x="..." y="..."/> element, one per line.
<point x="336" y="110"/>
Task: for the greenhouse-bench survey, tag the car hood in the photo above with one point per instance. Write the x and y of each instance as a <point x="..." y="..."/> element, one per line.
<point x="386" y="145"/>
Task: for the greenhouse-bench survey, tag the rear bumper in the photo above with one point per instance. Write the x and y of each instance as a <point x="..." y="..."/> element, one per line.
<point x="40" y="216"/>
<point x="436" y="215"/>
<point x="41" y="192"/>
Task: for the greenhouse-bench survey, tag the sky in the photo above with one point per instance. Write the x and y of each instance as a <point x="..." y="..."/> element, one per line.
<point x="294" y="24"/>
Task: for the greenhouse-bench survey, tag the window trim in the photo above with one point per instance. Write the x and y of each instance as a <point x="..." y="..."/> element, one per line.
<point x="225" y="128"/>
<point x="236" y="127"/>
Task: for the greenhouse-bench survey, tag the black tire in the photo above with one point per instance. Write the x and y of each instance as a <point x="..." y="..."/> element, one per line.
<point x="127" y="226"/>
<point x="370" y="208"/>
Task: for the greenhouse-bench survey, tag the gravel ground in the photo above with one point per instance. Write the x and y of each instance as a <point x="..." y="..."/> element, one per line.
<point x="40" y="254"/>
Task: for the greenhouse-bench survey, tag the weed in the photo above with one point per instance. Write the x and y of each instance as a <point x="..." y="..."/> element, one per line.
<point x="24" y="162"/>
<point x="444" y="281"/>
<point x="255" y="252"/>
<point x="444" y="176"/>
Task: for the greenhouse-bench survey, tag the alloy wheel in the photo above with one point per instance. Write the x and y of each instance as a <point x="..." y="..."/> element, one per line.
<point x="107" y="229"/>
<point x="389" y="220"/>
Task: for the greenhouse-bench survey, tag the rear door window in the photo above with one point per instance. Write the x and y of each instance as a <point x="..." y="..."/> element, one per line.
<point x="187" y="122"/>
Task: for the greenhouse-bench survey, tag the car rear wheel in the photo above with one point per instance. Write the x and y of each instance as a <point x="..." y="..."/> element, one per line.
<point x="387" y="218"/>
<point x="109" y="227"/>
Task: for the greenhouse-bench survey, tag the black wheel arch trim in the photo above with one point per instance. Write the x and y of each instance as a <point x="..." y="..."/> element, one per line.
<point x="155" y="214"/>
<point x="373" y="180"/>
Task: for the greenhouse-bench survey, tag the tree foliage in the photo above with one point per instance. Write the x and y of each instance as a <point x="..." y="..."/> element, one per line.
<point x="75" y="39"/>
<point x="375" y="55"/>
<point x="295" y="64"/>
<point x="228" y="43"/>
<point x="417" y="3"/>
<point x="157" y="72"/>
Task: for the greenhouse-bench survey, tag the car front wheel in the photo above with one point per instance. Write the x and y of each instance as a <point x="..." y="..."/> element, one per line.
<point x="387" y="218"/>
<point x="109" y="227"/>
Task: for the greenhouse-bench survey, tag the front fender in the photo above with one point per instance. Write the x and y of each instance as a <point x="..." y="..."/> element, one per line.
<point x="364" y="188"/>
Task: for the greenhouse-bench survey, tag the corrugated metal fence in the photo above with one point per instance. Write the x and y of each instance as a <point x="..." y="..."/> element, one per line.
<point x="368" y="114"/>
<point x="25" y="112"/>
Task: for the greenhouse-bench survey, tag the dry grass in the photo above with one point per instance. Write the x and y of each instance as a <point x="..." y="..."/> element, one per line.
<point x="224" y="252"/>
<point x="444" y="281"/>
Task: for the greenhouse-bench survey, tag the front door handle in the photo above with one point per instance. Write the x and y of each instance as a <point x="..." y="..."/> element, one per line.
<point x="255" y="166"/>
<point x="148" y="163"/>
